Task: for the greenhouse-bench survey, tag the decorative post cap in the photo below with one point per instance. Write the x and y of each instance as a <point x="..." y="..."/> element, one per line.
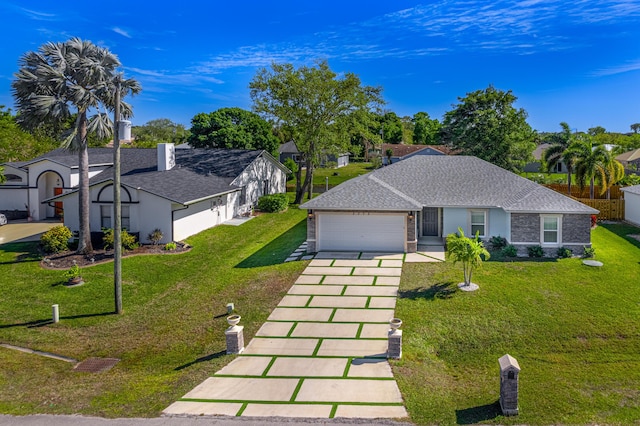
<point x="507" y="361"/>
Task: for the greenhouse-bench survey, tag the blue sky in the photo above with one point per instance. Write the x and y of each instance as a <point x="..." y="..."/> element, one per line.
<point x="574" y="61"/>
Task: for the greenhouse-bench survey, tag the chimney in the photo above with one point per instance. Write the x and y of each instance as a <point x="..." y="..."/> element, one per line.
<point x="124" y="130"/>
<point x="166" y="156"/>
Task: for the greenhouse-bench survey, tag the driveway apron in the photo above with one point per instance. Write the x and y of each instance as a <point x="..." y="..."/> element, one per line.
<point x="321" y="353"/>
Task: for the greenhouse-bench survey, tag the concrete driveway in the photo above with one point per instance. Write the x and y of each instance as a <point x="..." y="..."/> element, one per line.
<point x="21" y="231"/>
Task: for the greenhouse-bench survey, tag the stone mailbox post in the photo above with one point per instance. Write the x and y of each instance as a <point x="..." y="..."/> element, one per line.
<point x="509" y="371"/>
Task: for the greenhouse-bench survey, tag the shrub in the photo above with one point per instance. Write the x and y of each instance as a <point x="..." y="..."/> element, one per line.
<point x="498" y="242"/>
<point x="564" y="253"/>
<point x="330" y="164"/>
<point x="376" y="162"/>
<point x="155" y="236"/>
<point x="273" y="203"/>
<point x="589" y="252"/>
<point x="535" y="251"/>
<point x="510" y="251"/>
<point x="73" y="272"/>
<point x="56" y="239"/>
<point x="291" y="165"/>
<point x="127" y="240"/>
<point x="170" y="246"/>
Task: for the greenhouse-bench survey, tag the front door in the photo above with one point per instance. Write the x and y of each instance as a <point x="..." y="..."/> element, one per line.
<point x="57" y="204"/>
<point x="430" y="222"/>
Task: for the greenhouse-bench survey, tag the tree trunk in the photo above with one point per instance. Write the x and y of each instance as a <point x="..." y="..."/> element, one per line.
<point x="84" y="242"/>
<point x="299" y="190"/>
<point x="310" y="182"/>
<point x="569" y="179"/>
<point x="591" y="189"/>
<point x="117" y="212"/>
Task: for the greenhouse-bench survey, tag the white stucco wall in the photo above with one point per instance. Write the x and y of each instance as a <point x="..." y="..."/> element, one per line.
<point x="452" y="218"/>
<point x="254" y="176"/>
<point x="13" y="198"/>
<point x="202" y="215"/>
<point x="632" y="208"/>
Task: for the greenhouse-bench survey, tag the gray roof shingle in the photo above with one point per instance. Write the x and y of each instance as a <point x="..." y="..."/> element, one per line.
<point x="446" y="181"/>
<point x="198" y="173"/>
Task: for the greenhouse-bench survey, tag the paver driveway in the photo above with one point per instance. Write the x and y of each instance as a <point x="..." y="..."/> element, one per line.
<point x="322" y="351"/>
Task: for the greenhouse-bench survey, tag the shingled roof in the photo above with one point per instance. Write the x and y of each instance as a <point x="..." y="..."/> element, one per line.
<point x="197" y="174"/>
<point x="444" y="181"/>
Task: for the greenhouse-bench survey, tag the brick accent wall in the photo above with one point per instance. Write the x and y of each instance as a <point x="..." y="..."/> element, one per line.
<point x="576" y="228"/>
<point x="412" y="241"/>
<point x="525" y="227"/>
<point x="311" y="233"/>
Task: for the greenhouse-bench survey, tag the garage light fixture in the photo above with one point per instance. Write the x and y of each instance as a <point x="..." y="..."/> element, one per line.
<point x="310" y="214"/>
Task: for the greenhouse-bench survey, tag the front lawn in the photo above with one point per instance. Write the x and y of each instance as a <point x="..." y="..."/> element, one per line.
<point x="336" y="176"/>
<point x="171" y="335"/>
<point x="575" y="330"/>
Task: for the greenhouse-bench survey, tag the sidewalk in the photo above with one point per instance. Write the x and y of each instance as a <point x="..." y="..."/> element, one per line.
<point x="322" y="351"/>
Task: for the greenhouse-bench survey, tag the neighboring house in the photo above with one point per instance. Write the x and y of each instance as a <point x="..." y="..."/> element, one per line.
<point x="179" y="191"/>
<point x="632" y="204"/>
<point x="425" y="198"/>
<point x="31" y="182"/>
<point x="290" y="150"/>
<point x="536" y="166"/>
<point x="402" y="151"/>
<point x="630" y="160"/>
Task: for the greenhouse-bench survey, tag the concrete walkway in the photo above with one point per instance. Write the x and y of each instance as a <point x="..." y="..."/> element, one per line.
<point x="322" y="351"/>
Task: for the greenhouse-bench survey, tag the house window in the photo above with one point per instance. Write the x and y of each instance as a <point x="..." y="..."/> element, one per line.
<point x="243" y="196"/>
<point x="478" y="222"/>
<point x="105" y="216"/>
<point x="125" y="221"/>
<point x="551" y="230"/>
<point x="13" y="178"/>
<point x="265" y="189"/>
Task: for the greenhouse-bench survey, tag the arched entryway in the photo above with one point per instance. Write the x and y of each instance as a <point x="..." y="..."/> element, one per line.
<point x="49" y="184"/>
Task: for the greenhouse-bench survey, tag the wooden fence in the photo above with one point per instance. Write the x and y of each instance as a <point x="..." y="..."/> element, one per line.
<point x="609" y="209"/>
<point x="577" y="192"/>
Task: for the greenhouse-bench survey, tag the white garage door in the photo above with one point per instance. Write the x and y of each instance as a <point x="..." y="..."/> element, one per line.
<point x="361" y="232"/>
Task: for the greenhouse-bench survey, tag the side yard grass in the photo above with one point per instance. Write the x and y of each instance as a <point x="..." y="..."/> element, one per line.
<point x="336" y="176"/>
<point x="171" y="335"/>
<point x="575" y="330"/>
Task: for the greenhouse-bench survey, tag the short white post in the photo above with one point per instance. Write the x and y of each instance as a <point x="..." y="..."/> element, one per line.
<point x="326" y="183"/>
<point x="56" y="313"/>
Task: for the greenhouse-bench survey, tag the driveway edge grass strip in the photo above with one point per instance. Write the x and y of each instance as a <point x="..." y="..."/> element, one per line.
<point x="296" y="390"/>
<point x="241" y="410"/>
<point x="266" y="370"/>
<point x="334" y="408"/>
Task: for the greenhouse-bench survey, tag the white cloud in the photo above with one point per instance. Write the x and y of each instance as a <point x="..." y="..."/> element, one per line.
<point x="122" y="32"/>
<point x="619" y="69"/>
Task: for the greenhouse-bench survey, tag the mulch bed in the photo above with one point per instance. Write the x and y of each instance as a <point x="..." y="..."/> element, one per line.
<point x="65" y="260"/>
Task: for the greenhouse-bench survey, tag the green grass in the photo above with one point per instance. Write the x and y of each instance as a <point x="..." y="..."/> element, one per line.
<point x="575" y="331"/>
<point x="171" y="335"/>
<point x="336" y="176"/>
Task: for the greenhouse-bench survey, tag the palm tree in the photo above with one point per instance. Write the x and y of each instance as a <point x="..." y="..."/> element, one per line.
<point x="594" y="163"/>
<point x="556" y="152"/>
<point x="469" y="251"/>
<point x="69" y="77"/>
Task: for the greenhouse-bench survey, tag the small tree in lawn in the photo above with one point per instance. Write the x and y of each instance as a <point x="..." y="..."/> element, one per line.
<point x="469" y="251"/>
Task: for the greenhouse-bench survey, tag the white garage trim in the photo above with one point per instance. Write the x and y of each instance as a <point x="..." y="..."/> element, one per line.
<point x="361" y="232"/>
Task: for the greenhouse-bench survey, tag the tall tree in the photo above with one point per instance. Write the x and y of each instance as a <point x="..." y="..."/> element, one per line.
<point x="487" y="125"/>
<point x="557" y="152"/>
<point x="635" y="127"/>
<point x="17" y="144"/>
<point x="160" y="130"/>
<point x="232" y="128"/>
<point x="391" y="128"/>
<point x="594" y="163"/>
<point x="320" y="110"/>
<point x="66" y="77"/>
<point x="426" y="131"/>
